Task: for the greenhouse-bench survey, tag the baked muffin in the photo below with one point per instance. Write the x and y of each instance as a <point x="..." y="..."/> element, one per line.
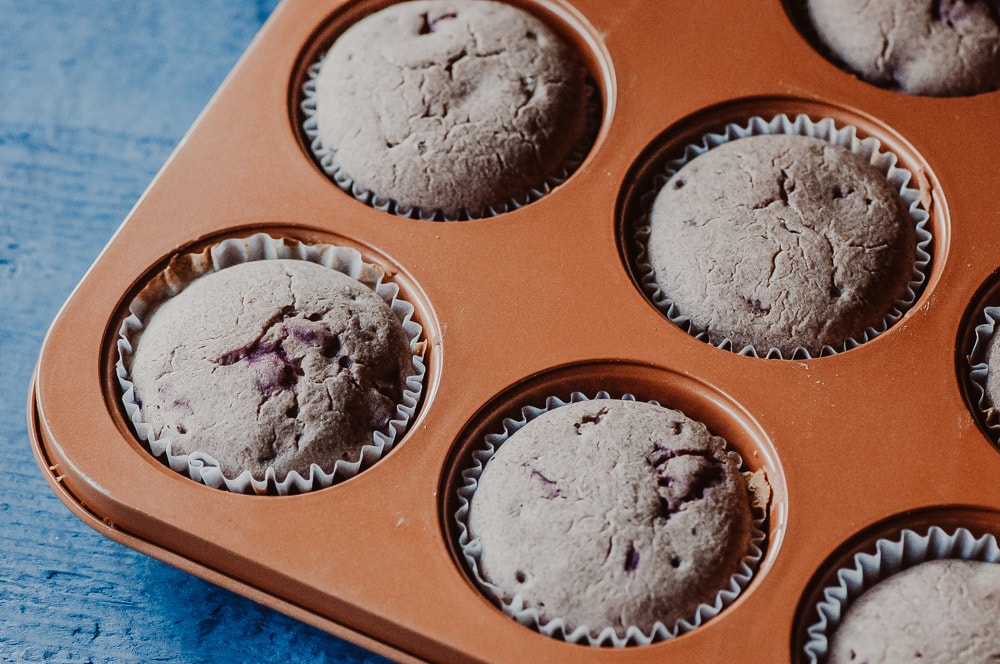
<point x="451" y="106"/>
<point x="922" y="47"/>
<point x="609" y="513"/>
<point x="271" y="364"/>
<point x="780" y="242"/>
<point x="937" y="612"/>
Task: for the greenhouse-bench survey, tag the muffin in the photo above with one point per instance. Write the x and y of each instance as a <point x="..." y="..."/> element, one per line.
<point x="940" y="611"/>
<point x="452" y="107"/>
<point x="781" y="242"/>
<point x="611" y="514"/>
<point x="923" y="47"/>
<point x="271" y="366"/>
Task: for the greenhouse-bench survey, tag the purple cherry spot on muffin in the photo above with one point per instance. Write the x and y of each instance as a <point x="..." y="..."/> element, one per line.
<point x="275" y="371"/>
<point x="683" y="476"/>
<point x="429" y="25"/>
<point x="758" y="309"/>
<point x="589" y="419"/>
<point x="551" y="490"/>
<point x="309" y="334"/>
<point x="314" y="335"/>
<point x="183" y="404"/>
<point x="631" y="558"/>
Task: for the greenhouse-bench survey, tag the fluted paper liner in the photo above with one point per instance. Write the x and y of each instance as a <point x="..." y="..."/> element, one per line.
<point x="201" y="466"/>
<point x="985" y="409"/>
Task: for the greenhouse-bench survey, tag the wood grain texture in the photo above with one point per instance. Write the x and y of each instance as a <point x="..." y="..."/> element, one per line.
<point x="93" y="97"/>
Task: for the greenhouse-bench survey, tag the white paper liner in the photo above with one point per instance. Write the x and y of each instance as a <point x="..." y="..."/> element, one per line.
<point x="801" y="125"/>
<point x="978" y="370"/>
<point x="890" y="557"/>
<point x="326" y="158"/>
<point x="584" y="634"/>
<point x="201" y="466"/>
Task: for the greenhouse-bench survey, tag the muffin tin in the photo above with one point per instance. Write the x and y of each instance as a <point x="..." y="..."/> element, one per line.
<point x="544" y="301"/>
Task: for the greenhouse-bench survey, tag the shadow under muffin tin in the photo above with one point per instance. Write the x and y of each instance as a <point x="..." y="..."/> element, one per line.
<point x="543" y="301"/>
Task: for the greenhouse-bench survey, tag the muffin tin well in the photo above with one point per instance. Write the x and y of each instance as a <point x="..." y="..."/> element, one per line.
<point x="782" y="116"/>
<point x="303" y="107"/>
<point x="541" y="301"/>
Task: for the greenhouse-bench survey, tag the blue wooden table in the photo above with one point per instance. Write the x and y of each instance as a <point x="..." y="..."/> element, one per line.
<point x="94" y="96"/>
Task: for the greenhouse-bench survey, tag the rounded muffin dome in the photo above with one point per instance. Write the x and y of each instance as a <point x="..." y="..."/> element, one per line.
<point x="610" y="513"/>
<point x="457" y="106"/>
<point x="781" y="242"/>
<point x="271" y="364"/>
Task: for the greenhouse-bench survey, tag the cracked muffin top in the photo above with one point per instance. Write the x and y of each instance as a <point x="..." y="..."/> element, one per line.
<point x="612" y="513"/>
<point x="780" y="241"/>
<point x="939" y="612"/>
<point x="923" y="47"/>
<point x="451" y="105"/>
<point x="271" y="363"/>
<point x="991" y="388"/>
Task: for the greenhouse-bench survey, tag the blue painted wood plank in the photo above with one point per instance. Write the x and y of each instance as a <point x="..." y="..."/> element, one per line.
<point x="93" y="97"/>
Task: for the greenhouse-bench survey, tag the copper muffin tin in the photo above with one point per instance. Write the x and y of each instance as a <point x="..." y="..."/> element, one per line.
<point x="544" y="301"/>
